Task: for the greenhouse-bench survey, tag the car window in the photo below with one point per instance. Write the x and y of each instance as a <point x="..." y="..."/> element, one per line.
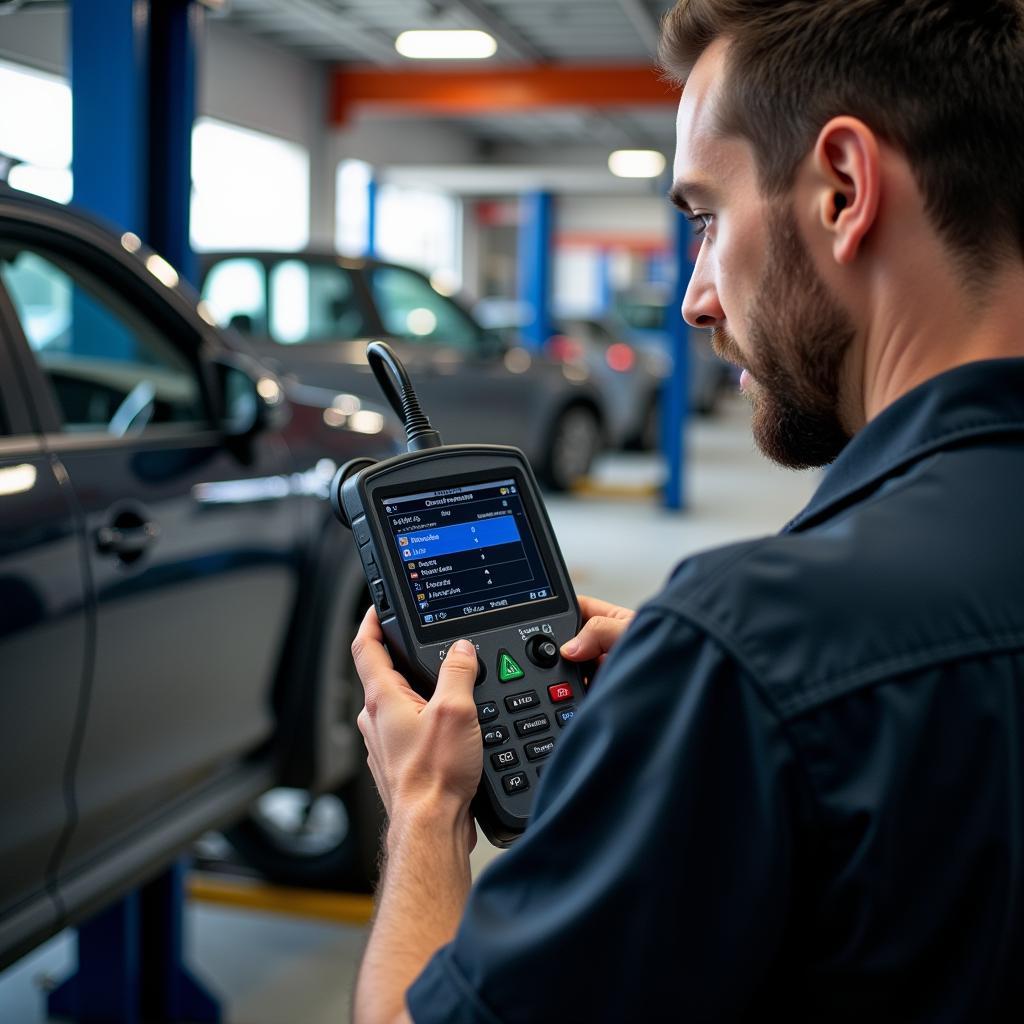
<point x="410" y="309"/>
<point x="235" y="290"/>
<point x="108" y="367"/>
<point x="311" y="302"/>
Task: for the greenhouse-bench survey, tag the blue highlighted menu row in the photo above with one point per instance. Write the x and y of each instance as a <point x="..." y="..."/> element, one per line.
<point x="447" y="540"/>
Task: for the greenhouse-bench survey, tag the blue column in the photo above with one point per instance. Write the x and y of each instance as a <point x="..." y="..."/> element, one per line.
<point x="371" y="216"/>
<point x="110" y="96"/>
<point x="177" y="27"/>
<point x="676" y="389"/>
<point x="535" y="267"/>
<point x="133" y="102"/>
<point x="605" y="294"/>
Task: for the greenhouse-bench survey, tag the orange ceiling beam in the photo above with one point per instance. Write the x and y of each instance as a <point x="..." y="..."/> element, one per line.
<point x="497" y="91"/>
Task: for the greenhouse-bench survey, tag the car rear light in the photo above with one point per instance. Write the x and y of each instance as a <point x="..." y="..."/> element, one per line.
<point x="565" y="349"/>
<point x="620" y="357"/>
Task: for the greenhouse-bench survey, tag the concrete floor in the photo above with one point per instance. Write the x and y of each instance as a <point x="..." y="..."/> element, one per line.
<point x="273" y="969"/>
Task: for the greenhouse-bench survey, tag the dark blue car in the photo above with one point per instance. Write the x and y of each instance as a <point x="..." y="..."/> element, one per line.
<point x="176" y="603"/>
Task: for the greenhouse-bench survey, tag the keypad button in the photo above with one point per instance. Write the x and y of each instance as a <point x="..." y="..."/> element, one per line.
<point x="486" y="711"/>
<point x="529" y="726"/>
<point x="495" y="734"/>
<point x="522" y="701"/>
<point x="361" y="528"/>
<point x="565" y="715"/>
<point x="505" y="759"/>
<point x="539" y="748"/>
<point x="516" y="782"/>
<point x="560" y="692"/>
<point x="509" y="670"/>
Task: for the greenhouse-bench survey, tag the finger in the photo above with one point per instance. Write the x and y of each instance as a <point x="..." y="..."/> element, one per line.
<point x="457" y="677"/>
<point x="596" y="637"/>
<point x="594" y="606"/>
<point x="373" y="663"/>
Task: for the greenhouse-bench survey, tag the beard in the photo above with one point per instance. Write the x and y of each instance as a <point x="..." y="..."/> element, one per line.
<point x="799" y="336"/>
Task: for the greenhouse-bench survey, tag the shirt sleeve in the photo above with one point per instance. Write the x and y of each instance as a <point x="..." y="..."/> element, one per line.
<point x="656" y="874"/>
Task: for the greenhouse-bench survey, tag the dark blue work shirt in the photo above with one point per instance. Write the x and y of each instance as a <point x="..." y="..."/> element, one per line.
<point x="796" y="791"/>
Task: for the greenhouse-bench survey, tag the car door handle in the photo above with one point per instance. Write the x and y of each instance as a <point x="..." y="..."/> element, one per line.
<point x="126" y="542"/>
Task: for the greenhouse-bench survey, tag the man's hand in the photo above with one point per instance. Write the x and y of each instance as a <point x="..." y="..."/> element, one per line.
<point x="426" y="758"/>
<point x="420" y="752"/>
<point x="603" y="624"/>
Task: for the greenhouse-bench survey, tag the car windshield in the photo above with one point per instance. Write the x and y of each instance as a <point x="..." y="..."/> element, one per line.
<point x="410" y="309"/>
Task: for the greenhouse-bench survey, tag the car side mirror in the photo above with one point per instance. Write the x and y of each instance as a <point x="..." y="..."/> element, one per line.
<point x="250" y="397"/>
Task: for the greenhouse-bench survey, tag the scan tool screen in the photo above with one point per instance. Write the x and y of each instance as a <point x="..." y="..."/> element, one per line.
<point x="466" y="550"/>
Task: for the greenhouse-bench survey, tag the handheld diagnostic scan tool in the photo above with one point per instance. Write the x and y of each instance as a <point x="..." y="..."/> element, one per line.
<point x="455" y="542"/>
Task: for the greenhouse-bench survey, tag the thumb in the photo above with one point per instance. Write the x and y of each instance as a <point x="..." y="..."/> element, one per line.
<point x="458" y="671"/>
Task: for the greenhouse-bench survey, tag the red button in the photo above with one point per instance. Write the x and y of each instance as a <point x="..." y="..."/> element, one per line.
<point x="560" y="692"/>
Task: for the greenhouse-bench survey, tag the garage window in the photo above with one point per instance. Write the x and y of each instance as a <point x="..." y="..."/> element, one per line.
<point x="109" y="369"/>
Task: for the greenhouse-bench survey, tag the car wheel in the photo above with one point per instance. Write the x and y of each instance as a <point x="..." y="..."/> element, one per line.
<point x="331" y="839"/>
<point x="574" y="442"/>
<point x="325" y="841"/>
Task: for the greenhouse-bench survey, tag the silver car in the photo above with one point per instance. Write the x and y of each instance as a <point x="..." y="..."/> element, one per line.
<point x="310" y="314"/>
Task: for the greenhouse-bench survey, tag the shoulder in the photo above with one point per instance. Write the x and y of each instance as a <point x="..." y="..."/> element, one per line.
<point x="810" y="615"/>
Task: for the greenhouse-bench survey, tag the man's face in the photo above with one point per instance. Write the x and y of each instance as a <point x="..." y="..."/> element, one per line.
<point x="756" y="287"/>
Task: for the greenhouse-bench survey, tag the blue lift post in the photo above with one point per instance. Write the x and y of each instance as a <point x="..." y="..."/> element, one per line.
<point x="603" y="272"/>
<point x="371" y="215"/>
<point x="133" y="95"/>
<point x="675" y="405"/>
<point x="535" y="266"/>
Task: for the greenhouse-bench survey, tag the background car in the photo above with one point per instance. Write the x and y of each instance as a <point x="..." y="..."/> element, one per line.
<point x="630" y="374"/>
<point x="627" y="379"/>
<point x="312" y="313"/>
<point x="643" y="311"/>
<point x="176" y="601"/>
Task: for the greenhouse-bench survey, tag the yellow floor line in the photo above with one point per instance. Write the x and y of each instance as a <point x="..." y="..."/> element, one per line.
<point x="339" y="907"/>
<point x="592" y="489"/>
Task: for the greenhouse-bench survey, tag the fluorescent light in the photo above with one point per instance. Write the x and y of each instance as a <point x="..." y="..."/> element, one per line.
<point x="456" y="44"/>
<point x="636" y="163"/>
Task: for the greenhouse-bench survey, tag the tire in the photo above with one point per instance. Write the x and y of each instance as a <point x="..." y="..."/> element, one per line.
<point x="647" y="438"/>
<point x="330" y="841"/>
<point x="326" y="840"/>
<point x="574" y="441"/>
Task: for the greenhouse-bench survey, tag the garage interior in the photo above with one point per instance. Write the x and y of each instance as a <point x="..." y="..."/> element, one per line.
<point x="299" y="126"/>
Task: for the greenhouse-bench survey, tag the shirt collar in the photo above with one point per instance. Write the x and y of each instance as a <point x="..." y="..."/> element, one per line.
<point x="971" y="401"/>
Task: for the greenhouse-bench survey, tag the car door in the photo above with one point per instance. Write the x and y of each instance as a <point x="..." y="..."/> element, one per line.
<point x="44" y="628"/>
<point x="191" y="544"/>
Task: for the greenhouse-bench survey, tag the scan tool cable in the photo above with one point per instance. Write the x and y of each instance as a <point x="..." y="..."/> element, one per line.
<point x="395" y="383"/>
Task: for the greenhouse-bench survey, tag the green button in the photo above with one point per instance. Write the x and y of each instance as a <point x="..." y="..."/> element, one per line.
<point x="508" y="668"/>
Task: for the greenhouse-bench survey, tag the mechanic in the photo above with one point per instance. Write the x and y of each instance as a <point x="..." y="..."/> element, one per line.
<point x="796" y="790"/>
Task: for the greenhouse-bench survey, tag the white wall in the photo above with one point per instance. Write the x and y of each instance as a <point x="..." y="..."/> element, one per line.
<point x="245" y="81"/>
<point x="385" y="142"/>
<point x="628" y="215"/>
<point x="38" y="38"/>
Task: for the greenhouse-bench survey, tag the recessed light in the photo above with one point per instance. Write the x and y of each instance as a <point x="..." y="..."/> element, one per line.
<point x="445" y="44"/>
<point x="636" y="163"/>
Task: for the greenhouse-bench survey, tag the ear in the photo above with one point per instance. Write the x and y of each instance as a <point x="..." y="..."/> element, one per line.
<point x="848" y="178"/>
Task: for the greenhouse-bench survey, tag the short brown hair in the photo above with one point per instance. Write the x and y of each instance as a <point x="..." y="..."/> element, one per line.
<point x="941" y="80"/>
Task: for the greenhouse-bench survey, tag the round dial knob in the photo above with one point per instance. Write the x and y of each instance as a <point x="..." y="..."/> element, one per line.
<point x="542" y="651"/>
